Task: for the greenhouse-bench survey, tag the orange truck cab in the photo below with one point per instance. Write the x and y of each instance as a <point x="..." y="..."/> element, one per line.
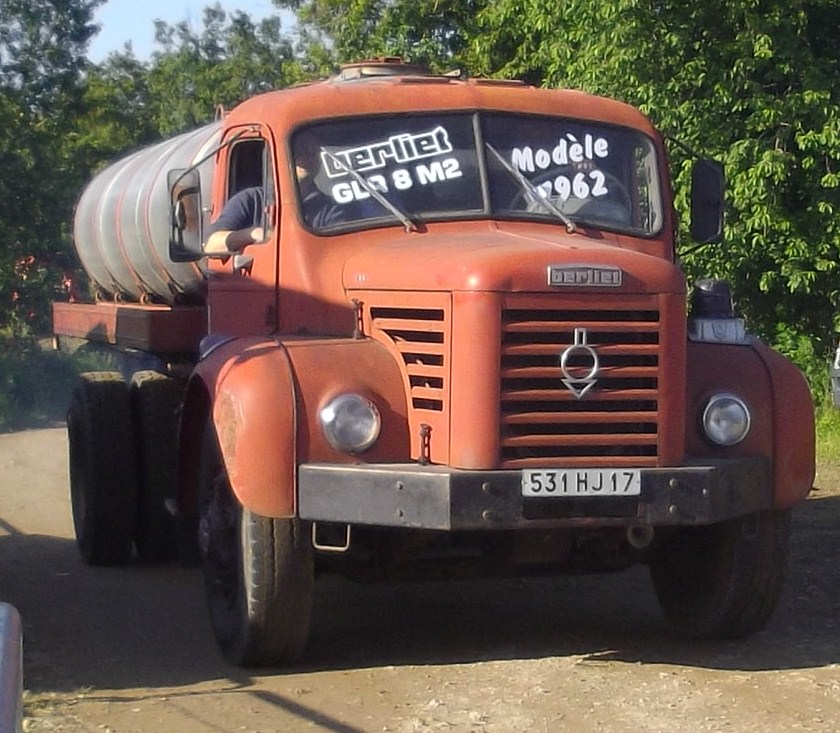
<point x="462" y="345"/>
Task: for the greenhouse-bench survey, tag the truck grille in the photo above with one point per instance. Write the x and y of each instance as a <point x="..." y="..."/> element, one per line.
<point x="420" y="335"/>
<point x="616" y="421"/>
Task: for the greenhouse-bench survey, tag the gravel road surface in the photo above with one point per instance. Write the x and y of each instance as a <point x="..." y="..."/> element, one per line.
<point x="129" y="650"/>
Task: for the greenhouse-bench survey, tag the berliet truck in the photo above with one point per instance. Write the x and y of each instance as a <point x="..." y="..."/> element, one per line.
<point x="463" y="347"/>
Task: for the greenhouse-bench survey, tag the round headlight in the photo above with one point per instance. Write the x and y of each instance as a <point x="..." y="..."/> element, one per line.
<point x="350" y="423"/>
<point x="726" y="419"/>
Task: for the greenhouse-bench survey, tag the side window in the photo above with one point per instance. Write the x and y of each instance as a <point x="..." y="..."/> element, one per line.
<point x="250" y="167"/>
<point x="247" y="165"/>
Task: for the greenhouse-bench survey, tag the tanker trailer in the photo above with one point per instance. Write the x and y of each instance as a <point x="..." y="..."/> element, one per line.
<point x="121" y="228"/>
<point x="149" y="314"/>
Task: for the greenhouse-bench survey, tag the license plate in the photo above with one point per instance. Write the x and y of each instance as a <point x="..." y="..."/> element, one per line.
<point x="577" y="482"/>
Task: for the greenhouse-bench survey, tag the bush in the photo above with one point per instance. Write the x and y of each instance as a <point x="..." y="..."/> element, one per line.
<point x="36" y="382"/>
<point x="814" y="365"/>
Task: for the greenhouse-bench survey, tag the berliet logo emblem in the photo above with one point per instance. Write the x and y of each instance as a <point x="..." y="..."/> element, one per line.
<point x="580" y="365"/>
<point x="592" y="276"/>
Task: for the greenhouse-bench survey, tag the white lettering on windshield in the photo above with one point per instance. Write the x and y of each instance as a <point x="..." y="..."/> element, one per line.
<point x="399" y="179"/>
<point x="402" y="148"/>
<point x="568" y="150"/>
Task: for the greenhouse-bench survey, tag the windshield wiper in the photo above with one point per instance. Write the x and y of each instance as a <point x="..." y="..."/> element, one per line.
<point x="408" y="223"/>
<point x="535" y="194"/>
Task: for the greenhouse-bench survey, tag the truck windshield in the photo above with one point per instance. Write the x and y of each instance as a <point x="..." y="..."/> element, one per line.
<point x="412" y="169"/>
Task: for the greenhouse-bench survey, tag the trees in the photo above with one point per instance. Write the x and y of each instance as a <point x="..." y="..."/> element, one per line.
<point x="231" y="59"/>
<point x="42" y="44"/>
<point x="753" y="83"/>
<point x="62" y="118"/>
<point x="750" y="82"/>
<point x="436" y="32"/>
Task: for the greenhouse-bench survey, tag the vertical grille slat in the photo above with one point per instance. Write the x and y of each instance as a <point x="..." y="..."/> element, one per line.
<point x="616" y="421"/>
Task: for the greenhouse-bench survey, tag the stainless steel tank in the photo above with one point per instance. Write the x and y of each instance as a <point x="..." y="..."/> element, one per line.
<point x="121" y="227"/>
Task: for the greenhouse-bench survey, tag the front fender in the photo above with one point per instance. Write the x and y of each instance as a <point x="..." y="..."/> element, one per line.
<point x="254" y="414"/>
<point x="794" y="456"/>
<point x="780" y="402"/>
<point x="263" y="396"/>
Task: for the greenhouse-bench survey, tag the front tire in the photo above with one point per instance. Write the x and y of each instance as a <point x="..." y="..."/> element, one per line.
<point x="258" y="572"/>
<point x="723" y="581"/>
<point x="103" y="476"/>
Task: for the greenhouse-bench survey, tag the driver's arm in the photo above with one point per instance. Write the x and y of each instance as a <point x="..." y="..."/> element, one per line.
<point x="236" y="226"/>
<point x="227" y="241"/>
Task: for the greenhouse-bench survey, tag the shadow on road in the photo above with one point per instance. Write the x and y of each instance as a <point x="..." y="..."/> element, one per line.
<point x="115" y="628"/>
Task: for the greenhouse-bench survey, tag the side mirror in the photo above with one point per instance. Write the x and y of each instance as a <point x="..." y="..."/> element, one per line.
<point x="707" y="185"/>
<point x="185" y="230"/>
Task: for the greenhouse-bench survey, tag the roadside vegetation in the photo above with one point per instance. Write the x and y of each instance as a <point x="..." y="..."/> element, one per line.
<point x="754" y="87"/>
<point x="828" y="434"/>
<point x="36" y="382"/>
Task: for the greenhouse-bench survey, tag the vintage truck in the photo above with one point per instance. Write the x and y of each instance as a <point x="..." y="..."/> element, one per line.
<point x="465" y="346"/>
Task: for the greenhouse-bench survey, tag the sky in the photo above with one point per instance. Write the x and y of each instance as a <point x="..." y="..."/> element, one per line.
<point x="133" y="20"/>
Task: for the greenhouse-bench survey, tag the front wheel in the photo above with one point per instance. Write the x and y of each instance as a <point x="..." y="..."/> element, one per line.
<point x="258" y="572"/>
<point x="723" y="581"/>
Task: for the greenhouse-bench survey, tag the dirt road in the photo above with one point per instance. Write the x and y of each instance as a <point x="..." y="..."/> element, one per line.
<point x="130" y="651"/>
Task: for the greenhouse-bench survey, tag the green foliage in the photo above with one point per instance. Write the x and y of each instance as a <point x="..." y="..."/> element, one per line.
<point x="802" y="351"/>
<point x="436" y="32"/>
<point x="114" y="115"/>
<point x="61" y="119"/>
<point x="42" y="45"/>
<point x="752" y="83"/>
<point x="230" y="60"/>
<point x="35" y="382"/>
<point x="828" y="434"/>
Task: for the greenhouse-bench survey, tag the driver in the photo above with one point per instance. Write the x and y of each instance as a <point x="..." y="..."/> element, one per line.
<point x="319" y="210"/>
<point x="239" y="224"/>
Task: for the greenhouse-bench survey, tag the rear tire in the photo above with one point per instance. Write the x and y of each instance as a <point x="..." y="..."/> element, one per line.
<point x="258" y="572"/>
<point x="723" y="581"/>
<point x="103" y="477"/>
<point x="156" y="399"/>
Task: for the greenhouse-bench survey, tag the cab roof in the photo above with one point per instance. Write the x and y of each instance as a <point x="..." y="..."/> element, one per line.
<point x="376" y="87"/>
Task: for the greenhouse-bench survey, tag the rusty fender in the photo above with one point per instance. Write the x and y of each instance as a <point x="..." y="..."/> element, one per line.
<point x="779" y="400"/>
<point x="265" y="396"/>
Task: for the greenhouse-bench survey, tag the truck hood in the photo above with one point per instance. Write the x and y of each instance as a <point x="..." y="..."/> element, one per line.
<point x="497" y="260"/>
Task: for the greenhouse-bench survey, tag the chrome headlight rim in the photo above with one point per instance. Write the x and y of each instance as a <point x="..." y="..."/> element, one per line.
<point x="718" y="428"/>
<point x="350" y="422"/>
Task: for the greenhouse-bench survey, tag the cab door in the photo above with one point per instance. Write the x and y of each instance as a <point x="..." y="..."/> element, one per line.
<point x="242" y="288"/>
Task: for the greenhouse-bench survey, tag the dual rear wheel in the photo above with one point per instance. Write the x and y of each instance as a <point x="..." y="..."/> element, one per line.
<point x="123" y="466"/>
<point x="258" y="571"/>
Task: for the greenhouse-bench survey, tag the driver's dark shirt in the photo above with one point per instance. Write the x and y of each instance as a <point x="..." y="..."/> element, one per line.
<point x="242" y="210"/>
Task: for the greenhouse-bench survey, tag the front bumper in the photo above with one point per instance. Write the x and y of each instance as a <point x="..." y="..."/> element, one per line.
<point x="443" y="498"/>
